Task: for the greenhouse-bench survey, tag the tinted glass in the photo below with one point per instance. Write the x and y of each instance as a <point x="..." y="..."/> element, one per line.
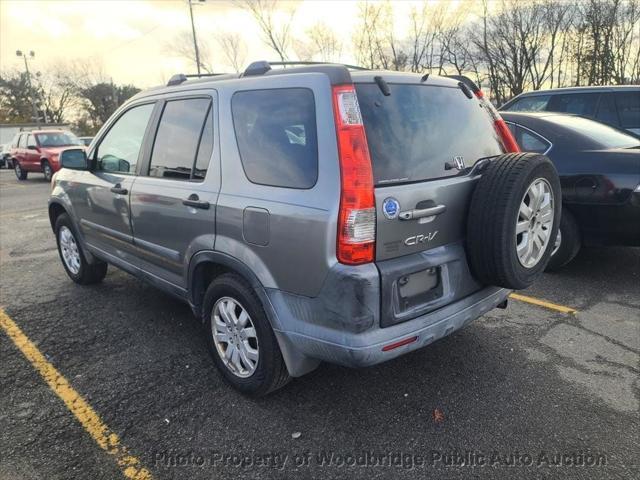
<point x="119" y="149"/>
<point x="277" y="136"/>
<point x="176" y="143"/>
<point x="31" y="141"/>
<point x="629" y="108"/>
<point x="607" y="110"/>
<point x="578" y="103"/>
<point x="23" y="141"/>
<point x="204" y="150"/>
<point x="529" y="104"/>
<point x="600" y="134"/>
<point x="414" y="131"/>
<point x="58" y="139"/>
<point x="530" y="142"/>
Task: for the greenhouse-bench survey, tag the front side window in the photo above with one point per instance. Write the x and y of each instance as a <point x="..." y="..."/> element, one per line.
<point x="277" y="136"/>
<point x="57" y="139"/>
<point x="535" y="103"/>
<point x="579" y="103"/>
<point x="23" y="141"/>
<point x="31" y="141"/>
<point x="176" y="145"/>
<point x="120" y="147"/>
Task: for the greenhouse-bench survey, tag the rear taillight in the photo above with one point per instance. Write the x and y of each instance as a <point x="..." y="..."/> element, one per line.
<point x="506" y="137"/>
<point x="357" y="217"/>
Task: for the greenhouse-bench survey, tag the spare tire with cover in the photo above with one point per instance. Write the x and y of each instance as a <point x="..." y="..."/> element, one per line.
<point x="513" y="220"/>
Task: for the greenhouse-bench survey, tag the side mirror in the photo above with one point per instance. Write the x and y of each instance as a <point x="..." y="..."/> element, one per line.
<point x="74" y="159"/>
<point x="32" y="147"/>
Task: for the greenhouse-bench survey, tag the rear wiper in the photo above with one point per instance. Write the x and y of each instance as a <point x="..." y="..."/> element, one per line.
<point x="382" y="85"/>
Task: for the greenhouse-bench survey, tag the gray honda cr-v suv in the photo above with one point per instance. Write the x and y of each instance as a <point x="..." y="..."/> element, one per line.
<point x="311" y="213"/>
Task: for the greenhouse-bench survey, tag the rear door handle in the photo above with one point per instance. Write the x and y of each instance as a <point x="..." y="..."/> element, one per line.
<point x="195" y="202"/>
<point x="422" y="213"/>
<point x="117" y="188"/>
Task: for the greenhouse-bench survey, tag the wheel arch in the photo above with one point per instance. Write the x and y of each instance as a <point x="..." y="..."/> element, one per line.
<point x="206" y="265"/>
<point x="55" y="210"/>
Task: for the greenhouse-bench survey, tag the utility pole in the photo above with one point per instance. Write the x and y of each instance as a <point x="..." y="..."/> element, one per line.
<point x="195" y="41"/>
<point x="20" y="53"/>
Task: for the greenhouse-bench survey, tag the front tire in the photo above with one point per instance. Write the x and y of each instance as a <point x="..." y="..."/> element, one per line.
<point x="240" y="338"/>
<point x="47" y="171"/>
<point x="20" y="173"/>
<point x="567" y="244"/>
<point x="72" y="256"/>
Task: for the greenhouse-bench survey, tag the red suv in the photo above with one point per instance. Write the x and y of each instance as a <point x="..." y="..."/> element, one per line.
<point x="38" y="150"/>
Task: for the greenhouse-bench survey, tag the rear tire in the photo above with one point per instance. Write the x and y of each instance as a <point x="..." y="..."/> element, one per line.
<point x="20" y="173"/>
<point x="514" y="214"/>
<point x="73" y="257"/>
<point x="269" y="372"/>
<point x="569" y="242"/>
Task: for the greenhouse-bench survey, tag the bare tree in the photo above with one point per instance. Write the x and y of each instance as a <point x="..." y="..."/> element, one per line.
<point x="275" y="24"/>
<point x="324" y="42"/>
<point x="375" y="41"/>
<point x="182" y="46"/>
<point x="233" y="49"/>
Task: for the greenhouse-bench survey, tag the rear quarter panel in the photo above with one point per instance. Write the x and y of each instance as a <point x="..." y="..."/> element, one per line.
<point x="296" y="244"/>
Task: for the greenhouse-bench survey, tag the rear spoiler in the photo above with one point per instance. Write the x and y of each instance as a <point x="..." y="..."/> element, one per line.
<point x="467" y="81"/>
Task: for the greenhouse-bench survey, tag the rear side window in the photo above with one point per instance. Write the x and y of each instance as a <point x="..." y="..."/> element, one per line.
<point x="527" y="140"/>
<point x="277" y="136"/>
<point x="578" y="103"/>
<point x="417" y="129"/>
<point x="607" y="110"/>
<point x="23" y="141"/>
<point x="530" y="104"/>
<point x="629" y="108"/>
<point x="178" y="138"/>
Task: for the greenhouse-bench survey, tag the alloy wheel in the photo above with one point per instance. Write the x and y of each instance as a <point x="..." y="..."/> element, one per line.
<point x="234" y="336"/>
<point x="70" y="251"/>
<point x="534" y="223"/>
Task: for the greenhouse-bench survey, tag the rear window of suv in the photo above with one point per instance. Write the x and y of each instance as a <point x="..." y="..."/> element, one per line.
<point x="415" y="130"/>
<point x="277" y="136"/>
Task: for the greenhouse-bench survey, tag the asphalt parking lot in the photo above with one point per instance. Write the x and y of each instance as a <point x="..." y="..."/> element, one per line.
<point x="530" y="391"/>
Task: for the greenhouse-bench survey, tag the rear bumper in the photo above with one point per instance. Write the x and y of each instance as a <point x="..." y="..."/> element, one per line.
<point x="365" y="348"/>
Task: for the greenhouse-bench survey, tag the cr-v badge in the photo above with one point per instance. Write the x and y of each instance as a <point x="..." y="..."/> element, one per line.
<point x="390" y="208"/>
<point x="417" y="239"/>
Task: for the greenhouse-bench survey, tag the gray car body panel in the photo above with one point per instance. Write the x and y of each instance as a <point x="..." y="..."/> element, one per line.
<point x="281" y="240"/>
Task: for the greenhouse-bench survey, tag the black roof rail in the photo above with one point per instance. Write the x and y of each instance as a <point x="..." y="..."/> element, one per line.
<point x="179" y="78"/>
<point x="261" y="67"/>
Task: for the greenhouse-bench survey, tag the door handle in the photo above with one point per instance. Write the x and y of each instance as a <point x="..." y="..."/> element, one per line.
<point x="195" y="202"/>
<point x="422" y="213"/>
<point x="117" y="188"/>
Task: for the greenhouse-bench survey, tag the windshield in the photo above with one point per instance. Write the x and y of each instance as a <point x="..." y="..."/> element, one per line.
<point x="603" y="135"/>
<point x="57" y="139"/>
<point x="418" y="129"/>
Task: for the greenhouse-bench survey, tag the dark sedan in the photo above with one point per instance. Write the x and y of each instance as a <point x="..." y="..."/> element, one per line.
<point x="599" y="168"/>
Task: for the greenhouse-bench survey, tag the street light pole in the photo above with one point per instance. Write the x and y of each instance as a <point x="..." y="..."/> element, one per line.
<point x="20" y="53"/>
<point x="195" y="41"/>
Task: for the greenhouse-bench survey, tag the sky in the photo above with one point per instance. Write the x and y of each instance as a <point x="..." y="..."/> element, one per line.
<point x="131" y="40"/>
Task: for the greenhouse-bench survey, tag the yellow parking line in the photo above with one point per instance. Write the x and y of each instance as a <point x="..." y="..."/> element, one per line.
<point x="543" y="303"/>
<point x="88" y="418"/>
